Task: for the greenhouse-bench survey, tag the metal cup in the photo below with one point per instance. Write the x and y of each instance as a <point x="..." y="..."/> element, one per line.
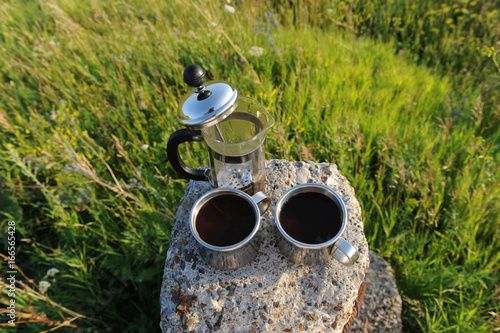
<point x="320" y="253"/>
<point x="207" y="219"/>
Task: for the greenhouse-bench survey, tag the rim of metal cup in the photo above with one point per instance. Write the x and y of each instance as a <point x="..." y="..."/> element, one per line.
<point x="317" y="188"/>
<point x="215" y="193"/>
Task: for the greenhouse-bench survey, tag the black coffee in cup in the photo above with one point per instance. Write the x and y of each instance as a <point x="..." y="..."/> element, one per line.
<point x="311" y="218"/>
<point x="225" y="220"/>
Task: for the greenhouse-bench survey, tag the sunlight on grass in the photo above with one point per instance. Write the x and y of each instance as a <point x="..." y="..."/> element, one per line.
<point x="90" y="92"/>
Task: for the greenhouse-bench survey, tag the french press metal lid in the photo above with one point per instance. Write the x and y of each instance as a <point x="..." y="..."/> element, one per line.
<point x="209" y="104"/>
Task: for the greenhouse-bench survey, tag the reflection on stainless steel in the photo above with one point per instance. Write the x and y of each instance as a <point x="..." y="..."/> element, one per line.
<point x="244" y="173"/>
<point x="315" y="254"/>
<point x="239" y="254"/>
<point x="232" y="259"/>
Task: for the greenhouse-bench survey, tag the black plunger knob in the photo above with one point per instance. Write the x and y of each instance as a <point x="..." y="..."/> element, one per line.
<point x="194" y="76"/>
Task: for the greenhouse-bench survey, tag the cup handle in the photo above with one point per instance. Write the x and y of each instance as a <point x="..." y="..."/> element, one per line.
<point x="262" y="200"/>
<point x="345" y="253"/>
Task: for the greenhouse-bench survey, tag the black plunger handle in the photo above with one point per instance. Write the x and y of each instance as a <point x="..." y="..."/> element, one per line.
<point x="194" y="75"/>
<point x="174" y="141"/>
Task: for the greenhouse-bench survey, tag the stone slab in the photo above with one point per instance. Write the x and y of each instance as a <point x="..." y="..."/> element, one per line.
<point x="270" y="294"/>
<point x="381" y="308"/>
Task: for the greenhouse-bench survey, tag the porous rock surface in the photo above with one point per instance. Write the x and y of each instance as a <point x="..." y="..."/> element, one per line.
<point x="382" y="305"/>
<point x="270" y="294"/>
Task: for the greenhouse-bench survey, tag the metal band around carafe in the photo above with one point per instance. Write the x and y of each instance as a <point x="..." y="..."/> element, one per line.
<point x="237" y="159"/>
<point x="210" y="179"/>
<point x="230" y="160"/>
<point x="237" y="115"/>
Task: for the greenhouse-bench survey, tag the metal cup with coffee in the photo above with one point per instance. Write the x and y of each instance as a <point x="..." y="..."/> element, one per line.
<point x="311" y="219"/>
<point x="225" y="222"/>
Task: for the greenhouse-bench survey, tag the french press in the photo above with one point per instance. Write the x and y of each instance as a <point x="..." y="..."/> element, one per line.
<point x="233" y="128"/>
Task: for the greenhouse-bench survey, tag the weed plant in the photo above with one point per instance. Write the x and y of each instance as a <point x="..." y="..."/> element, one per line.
<point x="403" y="96"/>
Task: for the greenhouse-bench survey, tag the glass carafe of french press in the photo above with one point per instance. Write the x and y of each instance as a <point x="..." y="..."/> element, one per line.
<point x="233" y="128"/>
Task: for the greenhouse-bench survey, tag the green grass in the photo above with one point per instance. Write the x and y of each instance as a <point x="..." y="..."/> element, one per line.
<point x="372" y="87"/>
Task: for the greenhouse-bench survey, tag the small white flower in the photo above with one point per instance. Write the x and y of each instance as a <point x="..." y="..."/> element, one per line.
<point x="229" y="9"/>
<point x="52" y="272"/>
<point x="328" y="11"/>
<point x="256" y="51"/>
<point x="144" y="146"/>
<point x="53" y="115"/>
<point x="44" y="285"/>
